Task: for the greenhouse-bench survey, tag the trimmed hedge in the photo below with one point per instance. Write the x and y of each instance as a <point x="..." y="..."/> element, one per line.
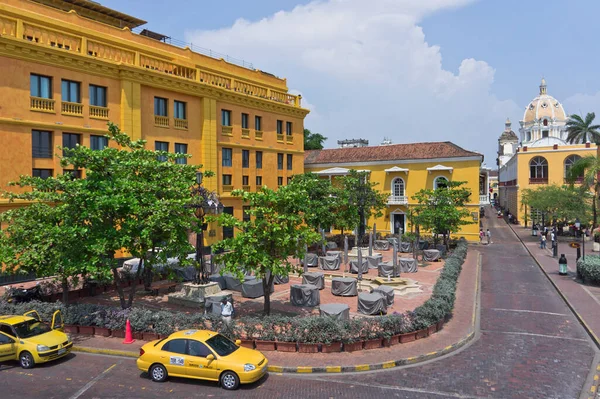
<point x="589" y="270"/>
<point x="312" y="329"/>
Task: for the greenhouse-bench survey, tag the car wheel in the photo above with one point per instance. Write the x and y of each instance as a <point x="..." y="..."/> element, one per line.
<point x="26" y="360"/>
<point x="158" y="373"/>
<point x="230" y="380"/>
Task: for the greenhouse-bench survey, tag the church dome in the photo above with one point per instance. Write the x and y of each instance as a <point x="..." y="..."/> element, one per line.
<point x="542" y="107"/>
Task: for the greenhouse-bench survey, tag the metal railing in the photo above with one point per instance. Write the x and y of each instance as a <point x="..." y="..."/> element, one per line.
<point x="397" y="200"/>
<point x="484" y="200"/>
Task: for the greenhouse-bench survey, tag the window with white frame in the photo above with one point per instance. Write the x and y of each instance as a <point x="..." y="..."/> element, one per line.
<point x="398" y="187"/>
<point x="440" y="182"/>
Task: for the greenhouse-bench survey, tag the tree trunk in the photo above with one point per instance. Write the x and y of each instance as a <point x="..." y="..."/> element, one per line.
<point x="65" y="290"/>
<point x="267" y="291"/>
<point x="594" y="212"/>
<point x="132" y="288"/>
<point x="117" y="280"/>
<point x="148" y="274"/>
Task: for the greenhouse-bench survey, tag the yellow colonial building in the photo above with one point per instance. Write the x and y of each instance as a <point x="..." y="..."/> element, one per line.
<point x="401" y="170"/>
<point x="70" y="66"/>
<point x="542" y="157"/>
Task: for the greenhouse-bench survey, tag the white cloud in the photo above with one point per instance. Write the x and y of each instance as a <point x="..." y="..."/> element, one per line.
<point x="368" y="72"/>
<point x="581" y="104"/>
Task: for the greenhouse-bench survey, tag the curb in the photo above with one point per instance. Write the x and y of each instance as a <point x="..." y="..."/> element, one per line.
<point x="595" y="383"/>
<point x="100" y="351"/>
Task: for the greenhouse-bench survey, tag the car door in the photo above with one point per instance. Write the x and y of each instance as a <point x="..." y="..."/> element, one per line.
<point x="8" y="347"/>
<point x="34" y="314"/>
<point x="199" y="366"/>
<point x="57" y="321"/>
<point x="173" y="356"/>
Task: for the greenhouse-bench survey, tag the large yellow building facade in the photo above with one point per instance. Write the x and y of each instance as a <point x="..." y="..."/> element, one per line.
<point x="401" y="170"/>
<point x="69" y="67"/>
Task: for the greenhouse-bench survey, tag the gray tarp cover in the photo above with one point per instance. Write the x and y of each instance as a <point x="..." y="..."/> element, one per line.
<point x="281" y="280"/>
<point x="312" y="260"/>
<point x="408" y="265"/>
<point x="382" y="245"/>
<point x="186" y="273"/>
<point x="315" y="278"/>
<point x="218" y="279"/>
<point x="354" y="266"/>
<point x="374" y="261"/>
<point x="405" y="246"/>
<point x="253" y="289"/>
<point x="344" y="286"/>
<point x="392" y="240"/>
<point x="338" y="311"/>
<point x="335" y="254"/>
<point x="371" y="304"/>
<point x="233" y="283"/>
<point x="441" y="248"/>
<point x="212" y="304"/>
<point x="304" y="295"/>
<point x="386" y="291"/>
<point x="431" y="255"/>
<point x="329" y="262"/>
<point x="331" y="245"/>
<point x="387" y="269"/>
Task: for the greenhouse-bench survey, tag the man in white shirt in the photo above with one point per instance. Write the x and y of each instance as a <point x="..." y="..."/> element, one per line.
<point x="226" y="310"/>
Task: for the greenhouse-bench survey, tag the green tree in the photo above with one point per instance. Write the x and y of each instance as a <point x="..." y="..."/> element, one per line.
<point x="264" y="244"/>
<point x="580" y="131"/>
<point x="558" y="203"/>
<point x="323" y="200"/>
<point x="313" y="141"/>
<point x="589" y="168"/>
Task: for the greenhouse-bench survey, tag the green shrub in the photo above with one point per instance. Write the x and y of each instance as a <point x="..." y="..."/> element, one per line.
<point x="589" y="269"/>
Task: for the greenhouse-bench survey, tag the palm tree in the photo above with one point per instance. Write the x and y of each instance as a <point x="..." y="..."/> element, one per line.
<point x="580" y="131"/>
<point x="589" y="168"/>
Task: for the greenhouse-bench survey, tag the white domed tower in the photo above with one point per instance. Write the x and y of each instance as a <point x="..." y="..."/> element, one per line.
<point x="544" y="121"/>
<point x="507" y="144"/>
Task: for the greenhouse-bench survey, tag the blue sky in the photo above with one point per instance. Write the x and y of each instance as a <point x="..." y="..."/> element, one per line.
<point x="411" y="70"/>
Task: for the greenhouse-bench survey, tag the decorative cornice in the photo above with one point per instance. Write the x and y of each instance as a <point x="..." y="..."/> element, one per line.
<point x="285" y="150"/>
<point x="51" y="126"/>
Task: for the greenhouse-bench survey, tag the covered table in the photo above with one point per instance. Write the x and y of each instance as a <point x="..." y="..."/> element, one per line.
<point x="281" y="280"/>
<point x="387" y="269"/>
<point x="338" y="311"/>
<point x="315" y="278"/>
<point x="253" y="288"/>
<point x="312" y="260"/>
<point x="304" y="295"/>
<point x="374" y="261"/>
<point x="371" y="304"/>
<point x="331" y="245"/>
<point x="387" y="292"/>
<point x="217" y="278"/>
<point x="329" y="262"/>
<point x="335" y="254"/>
<point x="442" y="249"/>
<point x="344" y="286"/>
<point x="431" y="255"/>
<point x="405" y="246"/>
<point x="423" y="245"/>
<point x="212" y="304"/>
<point x="354" y="266"/>
<point x="408" y="265"/>
<point x="383" y="245"/>
<point x="233" y="284"/>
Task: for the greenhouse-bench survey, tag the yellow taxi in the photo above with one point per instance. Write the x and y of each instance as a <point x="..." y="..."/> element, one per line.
<point x="203" y="355"/>
<point x="28" y="340"/>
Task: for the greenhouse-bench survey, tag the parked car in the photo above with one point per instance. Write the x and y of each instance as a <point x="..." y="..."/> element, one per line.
<point x="30" y="341"/>
<point x="204" y="355"/>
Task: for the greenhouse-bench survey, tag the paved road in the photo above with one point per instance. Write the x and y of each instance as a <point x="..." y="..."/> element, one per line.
<point x="529" y="346"/>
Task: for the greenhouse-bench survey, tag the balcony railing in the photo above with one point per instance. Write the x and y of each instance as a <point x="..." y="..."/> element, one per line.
<point x="484" y="200"/>
<point x="42" y="104"/>
<point x="279" y="137"/>
<point x="74" y="109"/>
<point x="226" y="130"/>
<point x="161" y="121"/>
<point x="538" y="180"/>
<point x="245" y="133"/>
<point x="289" y="138"/>
<point x="397" y="200"/>
<point x="258" y="134"/>
<point x="98" y="112"/>
<point x="227" y="188"/>
<point x="41" y="152"/>
<point x="180" y="123"/>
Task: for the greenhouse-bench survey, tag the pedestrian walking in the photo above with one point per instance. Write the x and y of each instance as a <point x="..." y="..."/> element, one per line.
<point x="226" y="310"/>
<point x="481" y="235"/>
<point x="543" y="242"/>
<point x="489" y="236"/>
<point x="553" y="238"/>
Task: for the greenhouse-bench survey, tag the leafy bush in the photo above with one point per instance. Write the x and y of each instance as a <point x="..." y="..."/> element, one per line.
<point x="589" y="269"/>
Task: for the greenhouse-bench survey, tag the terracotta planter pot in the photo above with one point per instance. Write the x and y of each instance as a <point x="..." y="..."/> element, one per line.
<point x="354" y="346"/>
<point x="101" y="331"/>
<point x="332" y="347"/>
<point x="71" y="329"/>
<point x="432" y="329"/>
<point x="393" y="340"/>
<point x="138" y="335"/>
<point x="286" y="346"/>
<point x="440" y="325"/>
<point x="308" y="348"/>
<point x="424" y="333"/>
<point x="408" y="337"/>
<point x="149" y="336"/>
<point x="247" y="343"/>
<point x="118" y="333"/>
<point x="373" y="343"/>
<point x="265" y="345"/>
<point x="86" y="330"/>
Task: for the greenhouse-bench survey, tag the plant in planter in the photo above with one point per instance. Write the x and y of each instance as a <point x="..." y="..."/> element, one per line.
<point x="352" y="339"/>
<point x="265" y="334"/>
<point x="373" y="333"/>
<point x="141" y="320"/>
<point x="116" y="320"/>
<point x="100" y="323"/>
<point x="286" y="336"/>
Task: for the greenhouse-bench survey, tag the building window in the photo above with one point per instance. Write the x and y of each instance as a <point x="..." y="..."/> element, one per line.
<point x="70" y="91"/>
<point x="225" y="117"/>
<point x="226" y="152"/>
<point x="280" y="180"/>
<point x="160" y="106"/>
<point x="569" y="162"/>
<point x="227" y="180"/>
<point x="544" y="133"/>
<point x="98" y="142"/>
<point x="97" y="96"/>
<point x="181" y="149"/>
<point x="245" y="213"/>
<point x="41" y="144"/>
<point x="290" y="157"/>
<point x="40" y="86"/>
<point x="245" y="180"/>
<point x="259" y="156"/>
<point x="398" y="187"/>
<point x="70" y="140"/>
<point x="161" y="146"/>
<point x="545" y="122"/>
<point x="279" y="127"/>
<point x="245" y="159"/>
<point x="42" y="173"/>
<point x="179" y="110"/>
<point x="244" y="121"/>
<point x="280" y="161"/>
<point x="440" y="182"/>
<point x="257" y="123"/>
<point x="74" y="173"/>
<point x="528" y="136"/>
<point x="258" y="181"/>
<point x="538" y="168"/>
<point x="288" y="128"/>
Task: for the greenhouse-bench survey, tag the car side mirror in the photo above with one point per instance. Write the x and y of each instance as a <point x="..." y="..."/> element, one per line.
<point x="210" y="357"/>
<point x="238" y="342"/>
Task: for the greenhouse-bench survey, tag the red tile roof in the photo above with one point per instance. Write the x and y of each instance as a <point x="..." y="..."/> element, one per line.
<point x="394" y="152"/>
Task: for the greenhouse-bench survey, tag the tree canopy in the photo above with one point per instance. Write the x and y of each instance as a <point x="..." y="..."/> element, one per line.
<point x="580" y="130"/>
<point x="313" y="141"/>
<point x="560" y="203"/>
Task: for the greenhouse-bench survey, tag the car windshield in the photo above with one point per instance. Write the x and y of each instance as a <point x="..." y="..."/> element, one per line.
<point x="31" y="328"/>
<point x="221" y="345"/>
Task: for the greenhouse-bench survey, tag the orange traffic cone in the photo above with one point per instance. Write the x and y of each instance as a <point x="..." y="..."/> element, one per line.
<point x="128" y="337"/>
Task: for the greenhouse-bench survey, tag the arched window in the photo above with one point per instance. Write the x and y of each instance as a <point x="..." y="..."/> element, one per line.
<point x="440" y="182"/>
<point x="538" y="169"/>
<point x="569" y="161"/>
<point x="398" y="187"/>
<point x="545" y="122"/>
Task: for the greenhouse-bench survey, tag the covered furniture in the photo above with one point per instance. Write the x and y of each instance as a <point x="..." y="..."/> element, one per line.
<point x="277" y="280"/>
<point x="329" y="262"/>
<point x="364" y="266"/>
<point x="387" y="269"/>
<point x="335" y="254"/>
<point x="392" y="240"/>
<point x="304" y="295"/>
<point x="253" y="289"/>
<point x="382" y="245"/>
<point x="431" y="255"/>
<point x="374" y="261"/>
<point x="338" y="311"/>
<point x="408" y="265"/>
<point x="442" y="249"/>
<point x="387" y="292"/>
<point x="405" y="246"/>
<point x="212" y="304"/>
<point x="331" y="245"/>
<point x="217" y="278"/>
<point x="233" y="284"/>
<point x="312" y="260"/>
<point x="371" y="304"/>
<point x="423" y="245"/>
<point x="315" y="278"/>
<point x="344" y="286"/>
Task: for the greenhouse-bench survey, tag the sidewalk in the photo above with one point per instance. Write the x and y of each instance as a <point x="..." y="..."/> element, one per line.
<point x="456" y="333"/>
<point x="583" y="299"/>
